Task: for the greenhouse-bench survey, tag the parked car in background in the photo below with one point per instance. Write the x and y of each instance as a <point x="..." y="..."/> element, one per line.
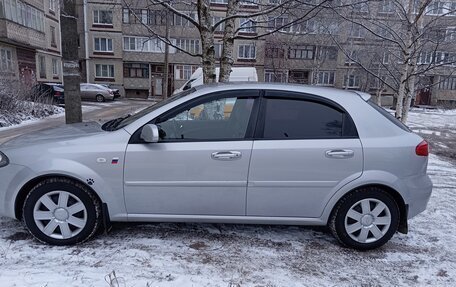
<point x="240" y="153"/>
<point x="47" y="92"/>
<point x="115" y="91"/>
<point x="96" y="92"/>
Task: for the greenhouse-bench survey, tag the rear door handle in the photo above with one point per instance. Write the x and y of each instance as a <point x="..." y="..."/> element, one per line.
<point x="340" y="153"/>
<point x="226" y="155"/>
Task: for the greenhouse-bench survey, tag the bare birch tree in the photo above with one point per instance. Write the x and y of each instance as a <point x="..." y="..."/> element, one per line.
<point x="409" y="32"/>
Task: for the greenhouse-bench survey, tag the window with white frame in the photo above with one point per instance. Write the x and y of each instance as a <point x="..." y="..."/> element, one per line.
<point x="104" y="71"/>
<point x="351" y="81"/>
<point x="181" y="21"/>
<point x="301" y="52"/>
<point x="437" y="8"/>
<point x="126" y="16"/>
<point x="246" y="51"/>
<point x="6" y="60"/>
<point x="450" y="34"/>
<point x="448" y="84"/>
<point x="221" y="27"/>
<point x="426" y="58"/>
<point x="22" y="13"/>
<point x="144" y="44"/>
<point x="351" y="57"/>
<point x="386" y="56"/>
<point x="276" y="76"/>
<point x="52" y="5"/>
<point x="219" y="1"/>
<point x="218" y="50"/>
<point x="249" y="2"/>
<point x="386" y="6"/>
<point x="55" y="67"/>
<point x="278" y="22"/>
<point x="247" y="25"/>
<point x="357" y="31"/>
<point x="360" y="7"/>
<point x="102" y="17"/>
<point x="325" y="78"/>
<point x="189" y="45"/>
<point x="184" y="72"/>
<point x="103" y="45"/>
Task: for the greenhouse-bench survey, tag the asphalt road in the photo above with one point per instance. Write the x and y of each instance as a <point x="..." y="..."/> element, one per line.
<point x="92" y="111"/>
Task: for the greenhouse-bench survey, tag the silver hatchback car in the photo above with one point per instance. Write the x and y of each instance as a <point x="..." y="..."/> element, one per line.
<point x="244" y="153"/>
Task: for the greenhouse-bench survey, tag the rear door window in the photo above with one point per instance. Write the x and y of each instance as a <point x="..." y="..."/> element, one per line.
<point x="301" y="118"/>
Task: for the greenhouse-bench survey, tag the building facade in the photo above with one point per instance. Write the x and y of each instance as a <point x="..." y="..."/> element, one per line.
<point x="30" y="41"/>
<point x="118" y="46"/>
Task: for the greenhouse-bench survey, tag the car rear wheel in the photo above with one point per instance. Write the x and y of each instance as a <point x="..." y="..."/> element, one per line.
<point x="100" y="98"/>
<point x="61" y="212"/>
<point x="365" y="219"/>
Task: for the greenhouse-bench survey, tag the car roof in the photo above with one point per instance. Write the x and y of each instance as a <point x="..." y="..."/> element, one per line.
<point x="328" y="92"/>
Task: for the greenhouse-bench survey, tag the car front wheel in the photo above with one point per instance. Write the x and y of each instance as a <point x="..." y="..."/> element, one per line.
<point x="365" y="219"/>
<point x="99" y="98"/>
<point x="61" y="212"/>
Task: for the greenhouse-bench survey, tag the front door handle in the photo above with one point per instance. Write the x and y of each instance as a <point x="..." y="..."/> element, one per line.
<point x="340" y="153"/>
<point x="226" y="155"/>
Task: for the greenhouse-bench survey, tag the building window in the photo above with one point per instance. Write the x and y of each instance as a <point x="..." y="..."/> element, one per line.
<point x="126" y="16"/>
<point x="448" y="84"/>
<point x="53" y="41"/>
<point x="181" y="21"/>
<point x="102" y="17"/>
<point x="249" y="2"/>
<point x="386" y="6"/>
<point x="328" y="53"/>
<point x="55" y="67"/>
<point x="6" y="62"/>
<point x="143" y="44"/>
<point x="219" y="28"/>
<point x="247" y="25"/>
<point x="351" y="81"/>
<point x="136" y="70"/>
<point x="184" y="72"/>
<point x="352" y="57"/>
<point x="158" y="17"/>
<point x="247" y="52"/>
<point x="104" y="71"/>
<point x="23" y="14"/>
<point x="275" y="52"/>
<point x="278" y="23"/>
<point x="52" y="6"/>
<point x="357" y="31"/>
<point x="301" y="52"/>
<point x="42" y="63"/>
<point x="189" y="45"/>
<point x="219" y="1"/>
<point x="450" y="34"/>
<point x="218" y="50"/>
<point x="275" y="76"/>
<point x="325" y="78"/>
<point x="103" y="45"/>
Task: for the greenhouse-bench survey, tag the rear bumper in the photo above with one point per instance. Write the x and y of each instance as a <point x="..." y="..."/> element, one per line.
<point x="419" y="192"/>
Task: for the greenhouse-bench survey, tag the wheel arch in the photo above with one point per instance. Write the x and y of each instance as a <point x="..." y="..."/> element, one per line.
<point x="26" y="188"/>
<point x="403" y="207"/>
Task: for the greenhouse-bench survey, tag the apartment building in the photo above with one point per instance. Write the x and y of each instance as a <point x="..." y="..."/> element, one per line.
<point x="118" y="47"/>
<point x="30" y="41"/>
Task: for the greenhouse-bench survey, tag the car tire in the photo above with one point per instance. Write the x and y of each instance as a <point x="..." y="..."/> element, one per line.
<point x="100" y="98"/>
<point x="60" y="211"/>
<point x="365" y="218"/>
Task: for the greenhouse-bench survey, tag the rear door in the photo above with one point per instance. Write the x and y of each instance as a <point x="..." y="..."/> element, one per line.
<point x="306" y="148"/>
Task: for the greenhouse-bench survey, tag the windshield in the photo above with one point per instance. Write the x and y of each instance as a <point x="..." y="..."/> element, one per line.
<point x="126" y="120"/>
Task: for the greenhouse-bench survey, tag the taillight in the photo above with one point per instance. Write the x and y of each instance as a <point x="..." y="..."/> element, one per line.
<point x="57" y="93"/>
<point x="422" y="149"/>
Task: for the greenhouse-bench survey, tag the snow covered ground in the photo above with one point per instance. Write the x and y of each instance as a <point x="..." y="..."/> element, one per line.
<point x="248" y="255"/>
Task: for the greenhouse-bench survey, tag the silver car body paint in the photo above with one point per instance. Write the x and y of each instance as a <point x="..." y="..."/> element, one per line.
<point x="284" y="182"/>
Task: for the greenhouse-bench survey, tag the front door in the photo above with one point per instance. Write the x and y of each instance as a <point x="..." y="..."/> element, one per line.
<point x="200" y="164"/>
<point x="306" y="150"/>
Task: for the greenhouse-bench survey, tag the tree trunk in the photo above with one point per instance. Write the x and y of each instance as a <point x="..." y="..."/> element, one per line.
<point x="71" y="73"/>
<point x="379" y="96"/>
<point x="226" y="61"/>
<point x="408" y="99"/>
<point x="207" y="41"/>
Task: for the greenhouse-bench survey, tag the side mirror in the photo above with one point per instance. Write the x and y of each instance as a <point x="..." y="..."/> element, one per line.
<point x="149" y="133"/>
